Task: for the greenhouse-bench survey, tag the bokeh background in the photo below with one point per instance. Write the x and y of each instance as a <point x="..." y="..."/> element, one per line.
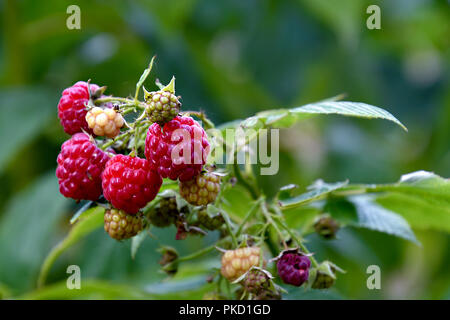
<point x="231" y="59"/>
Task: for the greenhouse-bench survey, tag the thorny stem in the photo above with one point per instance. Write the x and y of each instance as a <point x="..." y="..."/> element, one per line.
<point x="112" y="141"/>
<point x="198" y="253"/>
<point x="297" y="240"/>
<point x="129" y="102"/>
<point x="243" y="181"/>
<point x="229" y="228"/>
<point x="249" y="215"/>
<point x="269" y="219"/>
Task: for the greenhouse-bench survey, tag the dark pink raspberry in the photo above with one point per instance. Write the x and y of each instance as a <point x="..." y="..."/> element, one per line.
<point x="72" y="107"/>
<point x="80" y="165"/>
<point x="129" y="183"/>
<point x="293" y="268"/>
<point x="165" y="148"/>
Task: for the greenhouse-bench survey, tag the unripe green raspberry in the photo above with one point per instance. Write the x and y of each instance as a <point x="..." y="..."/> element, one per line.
<point x="326" y="226"/>
<point x="256" y="281"/>
<point x="166" y="214"/>
<point x="325" y="275"/>
<point x="201" y="190"/>
<point x="121" y="225"/>
<point x="268" y="295"/>
<point x="162" y="106"/>
<point x="237" y="262"/>
<point x="209" y="222"/>
<point x="323" y="281"/>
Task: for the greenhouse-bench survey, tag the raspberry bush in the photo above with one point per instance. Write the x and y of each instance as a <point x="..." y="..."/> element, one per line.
<point x="143" y="164"/>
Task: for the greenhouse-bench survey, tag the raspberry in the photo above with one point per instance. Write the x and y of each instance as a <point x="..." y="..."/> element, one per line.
<point x="166" y="214"/>
<point x="293" y="267"/>
<point x="210" y="222"/>
<point x="326" y="227"/>
<point x="168" y="256"/>
<point x="268" y="295"/>
<point x="323" y="281"/>
<point x="80" y="165"/>
<point x="162" y="106"/>
<point x="162" y="148"/>
<point x="237" y="262"/>
<point x="256" y="281"/>
<point x="325" y="275"/>
<point x="201" y="190"/>
<point x="104" y="122"/>
<point x="120" y="225"/>
<point x="72" y="107"/>
<point x="129" y="183"/>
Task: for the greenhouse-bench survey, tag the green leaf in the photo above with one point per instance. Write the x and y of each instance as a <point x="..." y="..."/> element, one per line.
<point x="372" y="216"/>
<point x="418" y="211"/>
<point x="284" y="118"/>
<point x="25" y="228"/>
<point x="37" y="103"/>
<point x="421" y="197"/>
<point x="93" y="219"/>
<point x="90" y="289"/>
<point x="136" y="242"/>
<point x="318" y="191"/>
<point x="81" y="212"/>
<point x="423" y="184"/>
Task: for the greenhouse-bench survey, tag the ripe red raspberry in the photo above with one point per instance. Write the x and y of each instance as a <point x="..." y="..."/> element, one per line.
<point x="120" y="225"/>
<point x="293" y="267"/>
<point x="129" y="183"/>
<point x="201" y="190"/>
<point x="165" y="149"/>
<point x="72" y="107"/>
<point x="80" y="165"/>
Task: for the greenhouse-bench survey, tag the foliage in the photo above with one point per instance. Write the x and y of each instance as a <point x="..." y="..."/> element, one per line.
<point x="224" y="66"/>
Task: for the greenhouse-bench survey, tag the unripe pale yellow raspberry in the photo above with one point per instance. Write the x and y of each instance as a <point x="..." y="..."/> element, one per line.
<point x="121" y="225"/>
<point x="237" y="262"/>
<point x="201" y="190"/>
<point x="104" y="122"/>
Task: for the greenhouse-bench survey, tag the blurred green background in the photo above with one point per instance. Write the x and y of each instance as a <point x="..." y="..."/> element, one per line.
<point x="231" y="59"/>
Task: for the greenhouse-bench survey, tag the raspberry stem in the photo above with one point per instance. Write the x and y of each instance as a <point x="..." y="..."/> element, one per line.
<point x="249" y="215"/>
<point x="229" y="228"/>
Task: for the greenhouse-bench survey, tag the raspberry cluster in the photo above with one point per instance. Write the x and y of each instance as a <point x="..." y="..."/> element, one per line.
<point x="237" y="262"/>
<point x="80" y="165"/>
<point x="72" y="107"/>
<point x="120" y="225"/>
<point x="178" y="150"/>
<point x="200" y="190"/>
<point x="104" y="122"/>
<point x="162" y="106"/>
<point x="129" y="183"/>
